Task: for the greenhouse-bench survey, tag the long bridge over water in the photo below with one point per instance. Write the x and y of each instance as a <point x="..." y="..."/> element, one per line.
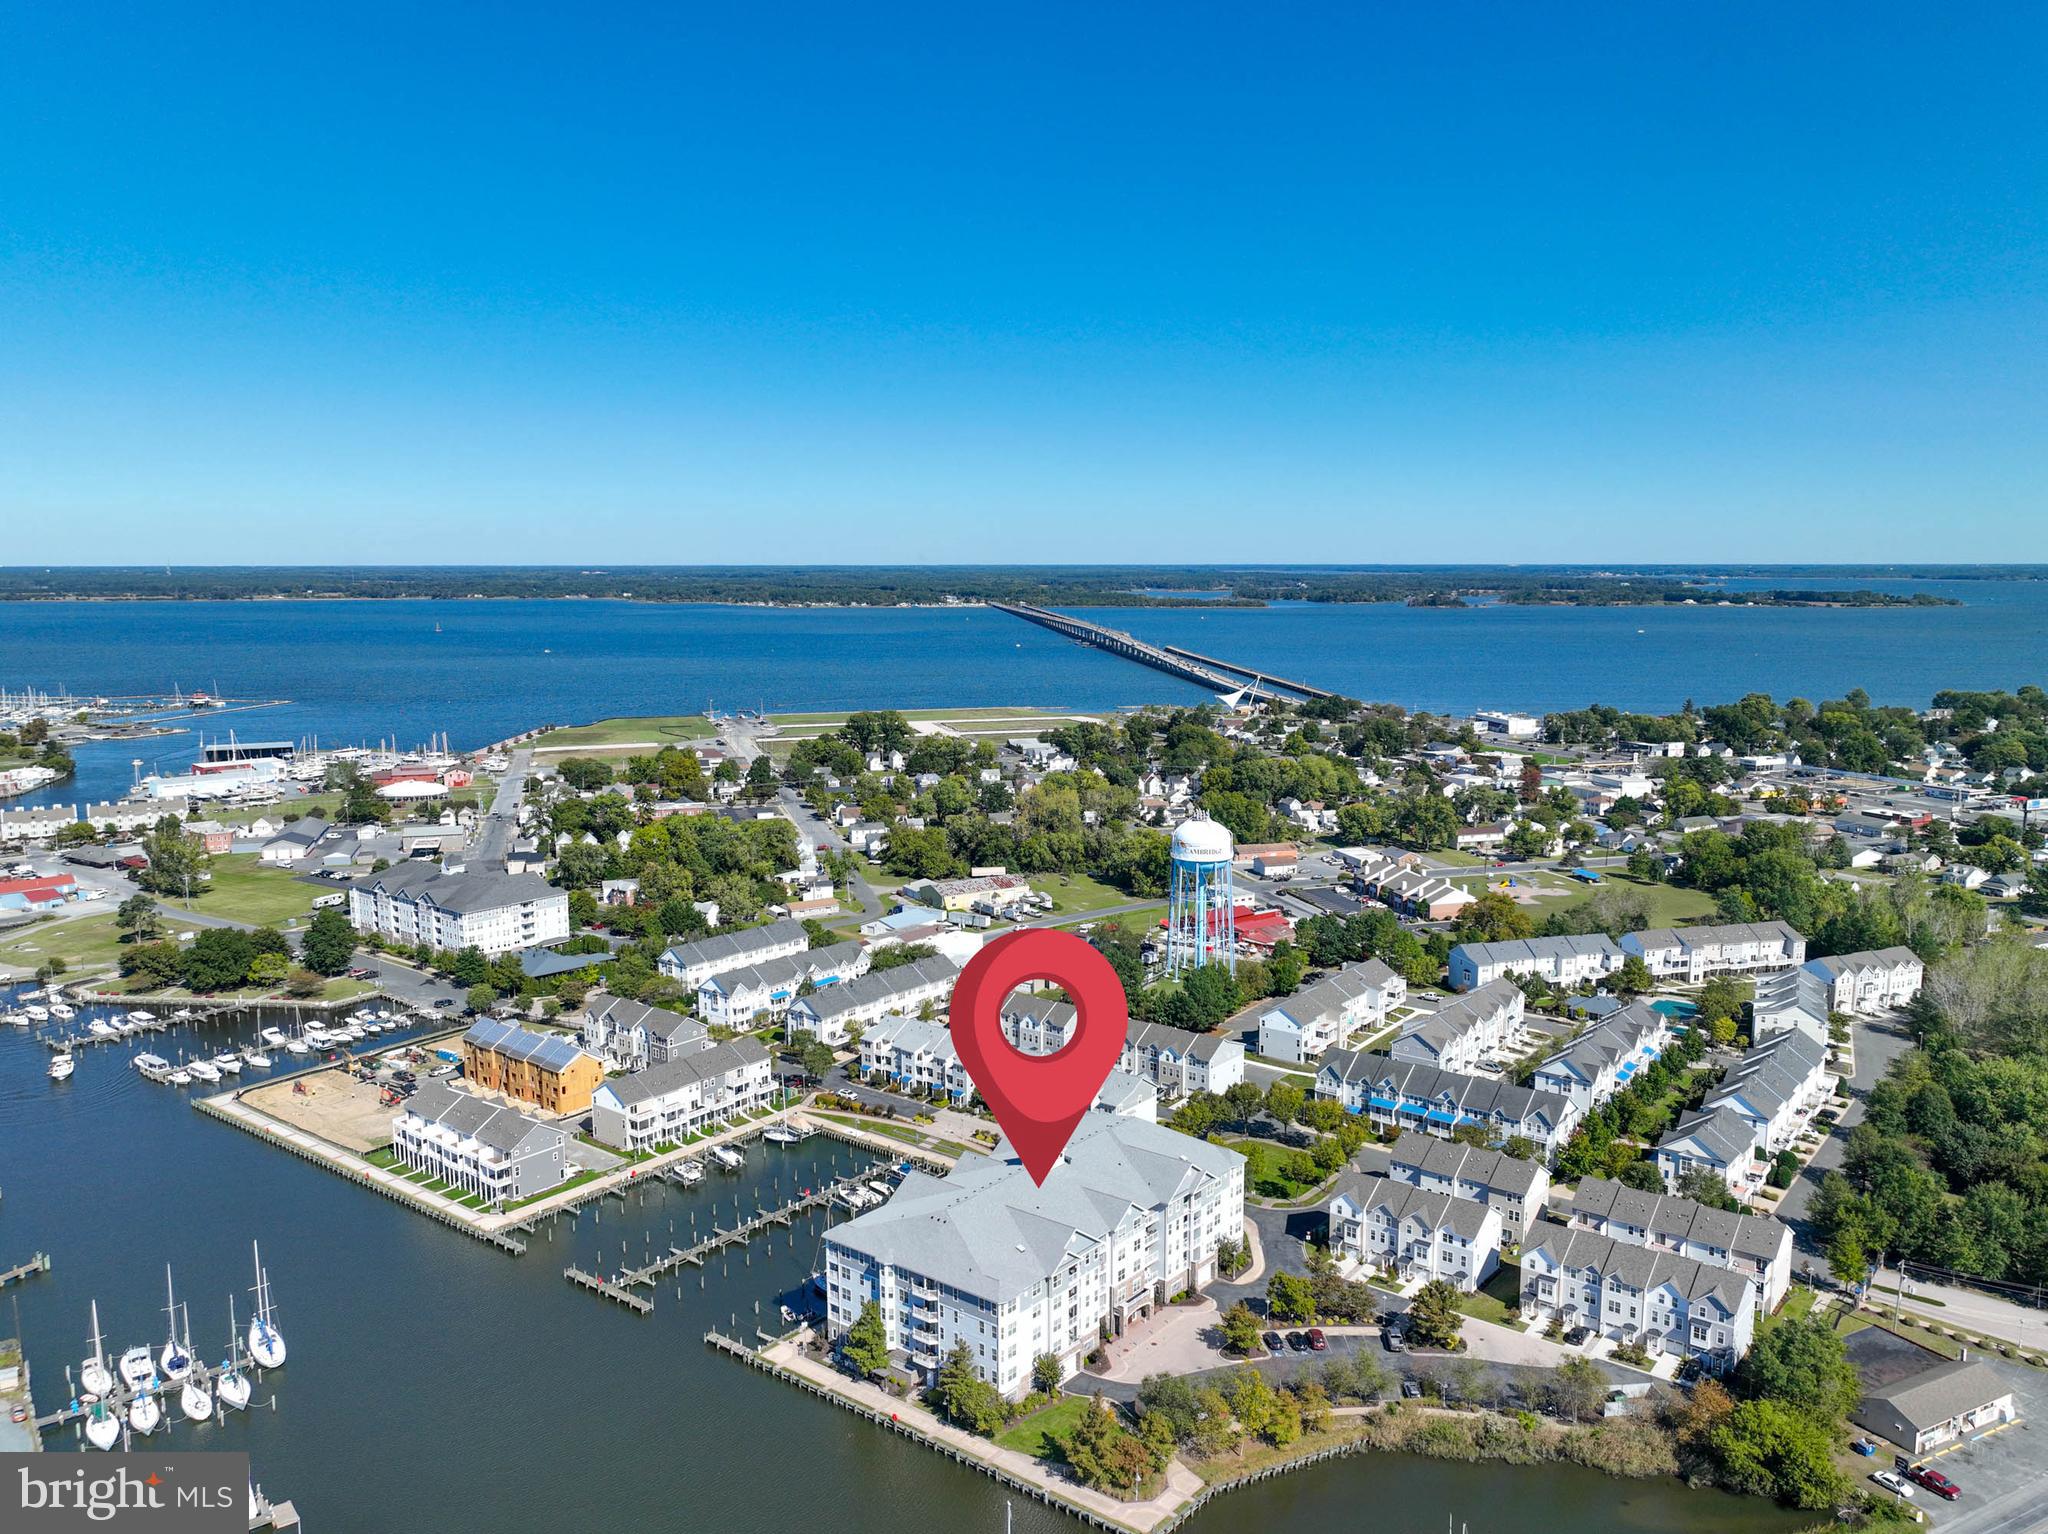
<point x="1219" y="676"/>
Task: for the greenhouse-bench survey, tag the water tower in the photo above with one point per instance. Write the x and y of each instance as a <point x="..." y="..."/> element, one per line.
<point x="1201" y="921"/>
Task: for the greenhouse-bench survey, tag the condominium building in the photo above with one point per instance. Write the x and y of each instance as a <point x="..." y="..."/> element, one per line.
<point x="1462" y="1034"/>
<point x="1605" y="1058"/>
<point x="497" y="1154"/>
<point x="1628" y="1293"/>
<point x="1418" y="1233"/>
<point x="734" y="998"/>
<point x="1756" y="1246"/>
<point x="1174" y="1060"/>
<point x="1515" y="1189"/>
<point x="1872" y="981"/>
<point x="694" y="963"/>
<point x="549" y="1070"/>
<point x="1332" y="1012"/>
<point x="453" y="909"/>
<point x="827" y="1014"/>
<point x="666" y="1104"/>
<point x="1693" y="954"/>
<point x="1407" y="1094"/>
<point x="632" y="1035"/>
<point x="1559" y="960"/>
<point x="1130" y="1216"/>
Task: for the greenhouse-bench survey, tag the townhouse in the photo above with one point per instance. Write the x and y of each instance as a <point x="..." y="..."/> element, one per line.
<point x="1461" y="1034"/>
<point x="1176" y="1061"/>
<point x="1693" y="954"/>
<point x="1775" y="1088"/>
<point x="1559" y="960"/>
<point x="1419" y="1234"/>
<point x="1756" y="1246"/>
<point x="455" y="908"/>
<point x="915" y="1054"/>
<point x="1514" y="1189"/>
<point x="829" y="1013"/>
<point x="1605" y="1058"/>
<point x="1406" y="1094"/>
<point x="1872" y="981"/>
<point x="496" y="1154"/>
<point x="1722" y="1142"/>
<point x="1358" y="997"/>
<point x="549" y="1070"/>
<point x="632" y="1035"/>
<point x="1794" y="1000"/>
<point x="1132" y="1215"/>
<point x="1660" y="1301"/>
<point x="733" y="998"/>
<point x="665" y="1104"/>
<point x="1413" y="891"/>
<point x="694" y="963"/>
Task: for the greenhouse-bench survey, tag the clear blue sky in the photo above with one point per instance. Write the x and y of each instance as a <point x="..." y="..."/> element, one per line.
<point x="449" y="282"/>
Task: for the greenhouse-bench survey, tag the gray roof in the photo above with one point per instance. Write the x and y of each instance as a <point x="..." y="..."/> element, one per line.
<point x="1608" y="1042"/>
<point x="465" y="891"/>
<point x="686" y="1070"/>
<point x="502" y="1129"/>
<point x="1856" y="963"/>
<point x="789" y="969"/>
<point x="1540" y="948"/>
<point x="1455" y="1019"/>
<point x="880" y="986"/>
<point x="1656" y="938"/>
<point x="1640" y="1267"/>
<point x="1473" y="1094"/>
<point x="730" y="950"/>
<point x="622" y="1012"/>
<point x="986" y="1229"/>
<point x="1723" y="1132"/>
<point x="549" y="1051"/>
<point x="304" y="831"/>
<point x="1496" y="1171"/>
<point x="1332" y="995"/>
<point x="1665" y="1214"/>
<point x="1947" y="1390"/>
<point x="1400" y="1200"/>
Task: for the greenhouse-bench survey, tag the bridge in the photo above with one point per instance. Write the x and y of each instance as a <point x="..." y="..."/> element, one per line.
<point x="1202" y="670"/>
<point x="1268" y="678"/>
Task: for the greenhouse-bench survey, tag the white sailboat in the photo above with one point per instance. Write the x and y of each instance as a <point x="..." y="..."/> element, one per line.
<point x="176" y="1359"/>
<point x="266" y="1343"/>
<point x="231" y="1384"/>
<point x="94" y="1377"/>
<point x="256" y="1058"/>
<point x="144" y="1414"/>
<point x="62" y="1065"/>
<point x="196" y="1399"/>
<point x="137" y="1368"/>
<point x="102" y="1426"/>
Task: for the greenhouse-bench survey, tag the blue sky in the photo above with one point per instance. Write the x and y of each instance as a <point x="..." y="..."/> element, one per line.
<point x="758" y="284"/>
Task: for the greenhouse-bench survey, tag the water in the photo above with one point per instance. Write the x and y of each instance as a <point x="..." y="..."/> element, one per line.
<point x="365" y="670"/>
<point x="437" y="1384"/>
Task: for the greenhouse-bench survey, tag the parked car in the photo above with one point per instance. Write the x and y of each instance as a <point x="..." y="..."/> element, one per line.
<point x="1411" y="1390"/>
<point x="1274" y="1342"/>
<point x="1934" y="1481"/>
<point x="1892" y="1482"/>
<point x="1577" y="1335"/>
<point x="1298" y="1341"/>
<point x="1864" y="1447"/>
<point x="1392" y="1340"/>
<point x="1316" y="1340"/>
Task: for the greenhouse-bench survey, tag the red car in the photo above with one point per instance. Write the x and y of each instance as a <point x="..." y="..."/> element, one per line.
<point x="1934" y="1481"/>
<point x="1316" y="1340"/>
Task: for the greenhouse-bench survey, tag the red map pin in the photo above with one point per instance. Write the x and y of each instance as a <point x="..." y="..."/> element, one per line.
<point x="1038" y="1099"/>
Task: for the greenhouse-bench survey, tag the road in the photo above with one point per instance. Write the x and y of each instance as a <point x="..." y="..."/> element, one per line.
<point x="1879" y="1041"/>
<point x="494" y="836"/>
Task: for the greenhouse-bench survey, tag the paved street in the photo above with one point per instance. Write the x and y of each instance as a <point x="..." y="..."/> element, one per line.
<point x="1879" y="1041"/>
<point x="494" y="836"/>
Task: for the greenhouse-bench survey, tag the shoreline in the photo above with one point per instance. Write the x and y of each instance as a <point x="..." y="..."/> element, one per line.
<point x="1490" y="597"/>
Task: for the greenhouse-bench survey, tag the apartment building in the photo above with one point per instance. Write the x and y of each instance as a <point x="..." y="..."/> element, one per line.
<point x="1872" y="981"/>
<point x="1628" y="1293"/>
<point x="829" y="1012"/>
<point x="1419" y="1234"/>
<point x="1776" y="1088"/>
<point x="917" y="1055"/>
<point x="1514" y="1189"/>
<point x="632" y="1035"/>
<point x="734" y="998"/>
<point x="665" y="1104"/>
<point x="1174" y="1060"/>
<point x="1463" y="1034"/>
<point x="694" y="963"/>
<point x="1693" y="954"/>
<point x="497" y="1154"/>
<point x="1756" y="1246"/>
<point x="1409" y="1095"/>
<point x="453" y="909"/>
<point x="549" y="1070"/>
<point x="1562" y="961"/>
<point x="1337" y="1008"/>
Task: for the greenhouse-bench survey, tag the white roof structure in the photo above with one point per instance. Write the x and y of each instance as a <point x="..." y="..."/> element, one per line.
<point x="1202" y="840"/>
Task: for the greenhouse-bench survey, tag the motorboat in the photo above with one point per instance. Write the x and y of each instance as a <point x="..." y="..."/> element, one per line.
<point x="728" y="1158"/>
<point x="62" y="1065"/>
<point x="100" y="1028"/>
<point x="94" y="1377"/>
<point x="181" y="1077"/>
<point x="62" y="1011"/>
<point x="266" y="1342"/>
<point x="36" y="1014"/>
<point x="275" y="1037"/>
<point x="298" y="1046"/>
<point x="20" y="1019"/>
<point x="102" y="1426"/>
<point x="231" y="1385"/>
<point x="125" y="1025"/>
<point x="176" y="1358"/>
<point x="256" y="1058"/>
<point x="691" y="1172"/>
<point x="137" y="1368"/>
<point x="229" y="1061"/>
<point x="203" y="1070"/>
<point x="184" y="1015"/>
<point x="144" y="1414"/>
<point x="142" y="1017"/>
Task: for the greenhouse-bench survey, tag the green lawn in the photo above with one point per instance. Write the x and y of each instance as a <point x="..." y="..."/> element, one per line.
<point x="908" y="1134"/>
<point x="82" y="942"/>
<point x="1670" y="906"/>
<point x="302" y="805"/>
<point x="1077" y="894"/>
<point x="1498" y="1298"/>
<point x="660" y="728"/>
<point x="1037" y="1434"/>
<point x="243" y="889"/>
<point x="1265" y="1171"/>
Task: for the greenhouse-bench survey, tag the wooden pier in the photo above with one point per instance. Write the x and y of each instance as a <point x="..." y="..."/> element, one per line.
<point x="610" y="1291"/>
<point x="40" y="1263"/>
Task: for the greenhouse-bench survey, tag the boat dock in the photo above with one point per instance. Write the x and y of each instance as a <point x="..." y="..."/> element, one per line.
<point x="40" y="1263"/>
<point x="122" y="1396"/>
<point x="1219" y="676"/>
<point x="83" y="1039"/>
<point x="610" y="1291"/>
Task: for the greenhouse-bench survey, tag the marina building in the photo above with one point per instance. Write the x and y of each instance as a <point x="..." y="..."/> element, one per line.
<point x="688" y="1093"/>
<point x="1331" y="1012"/>
<point x="1753" y="1245"/>
<point x="1462" y="1034"/>
<point x="1605" y="1058"/>
<point x="633" y="1036"/>
<point x="1514" y="1189"/>
<point x="1409" y="1095"/>
<point x="497" y="1154"/>
<point x="453" y="909"/>
<point x="548" y="1070"/>
<point x="694" y="963"/>
<point x="1132" y="1215"/>
<point x="1872" y="981"/>
<point x="1693" y="954"/>
<point x="1419" y="1234"/>
<point x="828" y="1013"/>
<point x="734" y="998"/>
<point x="1929" y="1402"/>
<point x="1562" y="961"/>
<point x="1664" y="1303"/>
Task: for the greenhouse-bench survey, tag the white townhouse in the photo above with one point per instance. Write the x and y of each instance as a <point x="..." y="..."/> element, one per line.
<point x="497" y="1154"/>
<point x="458" y="908"/>
<point x="666" y="1104"/>
<point x="1756" y="1246"/>
<point x="829" y="1012"/>
<point x="914" y="1054"/>
<point x="1406" y="1094"/>
<point x="1418" y="1233"/>
<point x="1694" y="954"/>
<point x="1605" y="1058"/>
<point x="1461" y="1034"/>
<point x="1775" y="1088"/>
<point x="37" y="823"/>
<point x="1723" y="1142"/>
<point x="1130" y="1216"/>
<point x="1665" y="1303"/>
<point x="1874" y="981"/>
<point x="694" y="963"/>
<point x="122" y="817"/>
<point x="1174" y="1060"/>
<point x="1514" y="1189"/>
<point x="1559" y="960"/>
<point x="733" y="998"/>
<point x="632" y="1035"/>
<point x="1334" y="1010"/>
<point x="1792" y="1001"/>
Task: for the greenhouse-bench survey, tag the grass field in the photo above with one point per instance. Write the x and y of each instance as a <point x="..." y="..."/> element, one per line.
<point x="1265" y="1171"/>
<point x="1034" y="1435"/>
<point x="82" y="942"/>
<point x="629" y="731"/>
<point x="1670" y="906"/>
<point x="1497" y="1299"/>
<point x="1077" y="894"/>
<point x="243" y="889"/>
<point x="907" y="1133"/>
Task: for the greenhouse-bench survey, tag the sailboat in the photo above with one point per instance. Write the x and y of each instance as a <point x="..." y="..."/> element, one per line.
<point x="266" y="1343"/>
<point x="102" y="1427"/>
<point x="137" y="1368"/>
<point x="231" y="1384"/>
<point x="144" y="1414"/>
<point x="175" y="1359"/>
<point x="196" y="1399"/>
<point x="94" y="1377"/>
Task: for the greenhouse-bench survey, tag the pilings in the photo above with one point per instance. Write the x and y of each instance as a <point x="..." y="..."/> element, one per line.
<point x="40" y="1263"/>
<point x="610" y="1291"/>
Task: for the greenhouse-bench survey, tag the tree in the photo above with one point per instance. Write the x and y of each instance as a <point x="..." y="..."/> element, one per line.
<point x="1494" y="917"/>
<point x="1284" y="1101"/>
<point x="1046" y="1373"/>
<point x="482" y="996"/>
<point x="1103" y="1453"/>
<point x="177" y="862"/>
<point x="1240" y="1330"/>
<point x="1290" y="1298"/>
<point x="1216" y="1430"/>
<point x="818" y="1060"/>
<point x="1434" y="1319"/>
<point x="965" y="1397"/>
<point x="1848" y="1257"/>
<point x="1704" y="1186"/>
<point x="329" y="944"/>
<point x="1577" y="1389"/>
<point x="138" y="919"/>
<point x="1768" y="1449"/>
<point x="1800" y="1363"/>
<point x="865" y="1347"/>
<point x="1633" y="978"/>
<point x="161" y="964"/>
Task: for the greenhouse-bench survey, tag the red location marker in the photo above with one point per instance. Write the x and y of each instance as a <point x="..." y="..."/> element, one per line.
<point x="1038" y="1099"/>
